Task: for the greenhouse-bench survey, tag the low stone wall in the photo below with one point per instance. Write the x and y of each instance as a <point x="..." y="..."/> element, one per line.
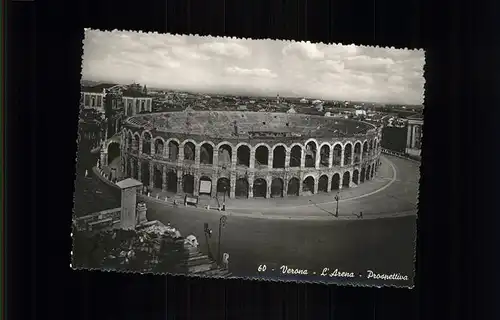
<point x="98" y="220"/>
<point x="399" y="155"/>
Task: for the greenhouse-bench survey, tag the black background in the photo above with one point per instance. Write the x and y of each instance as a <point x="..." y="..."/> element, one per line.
<point x="455" y="267"/>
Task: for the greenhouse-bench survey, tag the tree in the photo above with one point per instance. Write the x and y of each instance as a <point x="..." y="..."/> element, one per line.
<point x="129" y="250"/>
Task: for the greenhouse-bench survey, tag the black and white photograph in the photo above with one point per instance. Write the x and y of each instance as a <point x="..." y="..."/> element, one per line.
<point x="246" y="158"/>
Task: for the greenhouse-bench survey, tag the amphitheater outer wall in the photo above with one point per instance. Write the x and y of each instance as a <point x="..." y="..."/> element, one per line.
<point x="239" y="167"/>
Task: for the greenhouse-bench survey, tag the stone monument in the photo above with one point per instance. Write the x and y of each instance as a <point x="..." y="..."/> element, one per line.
<point x="129" y="218"/>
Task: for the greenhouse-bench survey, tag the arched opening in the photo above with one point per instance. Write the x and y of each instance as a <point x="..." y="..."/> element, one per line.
<point x="157" y="178"/>
<point x="346" y="179"/>
<point x="347" y="154"/>
<point x="146" y="143"/>
<point x="295" y="156"/>
<point x="159" y="147"/>
<point x="373" y="172"/>
<point x="225" y="154"/>
<point x="308" y="185"/>
<point x="145" y="176"/>
<point x="172" y="181"/>
<point x="243" y="156"/>
<point x="310" y="155"/>
<point x="365" y="149"/>
<point x="188" y="184"/>
<point x="241" y="190"/>
<point x="323" y="183"/>
<point x="337" y="155"/>
<point x="279" y="154"/>
<point x="189" y="151"/>
<point x="129" y="142"/>
<point x="113" y="152"/>
<point x="206" y="154"/>
<point x="135" y="144"/>
<point x="335" y="182"/>
<point x="223" y="187"/>
<point x="324" y="153"/>
<point x="261" y="157"/>
<point x="205" y="185"/>
<point x="277" y="188"/>
<point x="173" y="150"/>
<point x="357" y="152"/>
<point x="259" y="188"/>
<point x="355" y="176"/>
<point x="293" y="187"/>
<point x="362" y="175"/>
<point x="368" y="172"/>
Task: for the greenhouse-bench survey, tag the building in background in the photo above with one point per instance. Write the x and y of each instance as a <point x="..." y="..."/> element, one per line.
<point x="414" y="135"/>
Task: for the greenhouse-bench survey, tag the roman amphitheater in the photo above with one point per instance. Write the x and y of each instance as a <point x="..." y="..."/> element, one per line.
<point x="248" y="154"/>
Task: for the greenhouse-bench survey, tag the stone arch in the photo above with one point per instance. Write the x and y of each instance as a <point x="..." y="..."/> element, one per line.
<point x="324" y="154"/>
<point x="205" y="178"/>
<point x="129" y="141"/>
<point x="323" y="183"/>
<point x="335" y="181"/>
<point x="337" y="153"/>
<point x="308" y="185"/>
<point x="223" y="186"/>
<point x="277" y="188"/>
<point x="225" y="153"/>
<point x="279" y="155"/>
<point x="134" y="169"/>
<point x="368" y="173"/>
<point x="358" y="146"/>
<point x="365" y="148"/>
<point x="295" y="155"/>
<point x="293" y="187"/>
<point x="173" y="149"/>
<point x="136" y="142"/>
<point x="346" y="179"/>
<point x="362" y="175"/>
<point x="172" y="181"/>
<point x="188" y="183"/>
<point x="259" y="188"/>
<point x="262" y="154"/>
<point x="241" y="188"/>
<point x="348" y="153"/>
<point x="189" y="150"/>
<point x="243" y="151"/>
<point x="311" y="150"/>
<point x="145" y="174"/>
<point x="206" y="152"/>
<point x="113" y="151"/>
<point x="146" y="142"/>
<point x="157" y="177"/>
<point x="355" y="176"/>
<point x="159" y="146"/>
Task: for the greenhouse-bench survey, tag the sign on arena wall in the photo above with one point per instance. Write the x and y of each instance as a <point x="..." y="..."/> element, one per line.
<point x="205" y="186"/>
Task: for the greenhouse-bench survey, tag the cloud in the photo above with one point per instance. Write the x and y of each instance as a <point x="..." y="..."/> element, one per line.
<point x="227" y="49"/>
<point x="304" y="49"/>
<point x="261" y="67"/>
<point x="258" y="72"/>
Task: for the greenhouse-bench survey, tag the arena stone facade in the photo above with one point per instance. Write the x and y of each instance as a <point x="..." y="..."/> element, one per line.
<point x="266" y="165"/>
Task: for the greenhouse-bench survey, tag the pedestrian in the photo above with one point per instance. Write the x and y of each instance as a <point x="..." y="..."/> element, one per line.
<point x="361" y="214"/>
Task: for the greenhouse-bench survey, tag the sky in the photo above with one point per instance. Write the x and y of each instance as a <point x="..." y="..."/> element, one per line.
<point x="255" y="67"/>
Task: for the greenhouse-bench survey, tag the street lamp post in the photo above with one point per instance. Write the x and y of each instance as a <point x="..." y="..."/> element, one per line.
<point x="337" y="198"/>
<point x="222" y="224"/>
<point x="208" y="234"/>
